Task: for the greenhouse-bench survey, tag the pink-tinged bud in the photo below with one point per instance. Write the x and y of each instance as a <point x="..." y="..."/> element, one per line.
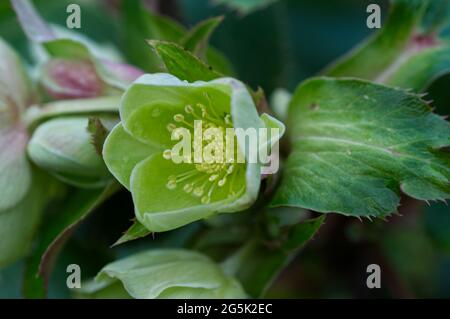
<point x="121" y="71"/>
<point x="71" y="79"/>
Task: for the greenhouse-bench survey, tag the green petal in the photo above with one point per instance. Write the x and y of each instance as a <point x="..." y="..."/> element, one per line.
<point x="102" y="290"/>
<point x="15" y="174"/>
<point x="160" y="208"/>
<point x="151" y="102"/>
<point x="18" y="223"/>
<point x="14" y="83"/>
<point x="272" y="123"/>
<point x="122" y="153"/>
<point x="245" y="116"/>
<point x="170" y="273"/>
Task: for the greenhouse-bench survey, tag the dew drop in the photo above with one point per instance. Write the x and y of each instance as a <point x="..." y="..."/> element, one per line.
<point x="171" y="184"/>
<point x="156" y="112"/>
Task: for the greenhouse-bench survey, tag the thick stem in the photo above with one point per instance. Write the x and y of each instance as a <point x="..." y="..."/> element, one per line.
<point x="36" y="114"/>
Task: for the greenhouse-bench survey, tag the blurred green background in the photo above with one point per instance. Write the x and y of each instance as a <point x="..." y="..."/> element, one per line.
<point x="277" y="46"/>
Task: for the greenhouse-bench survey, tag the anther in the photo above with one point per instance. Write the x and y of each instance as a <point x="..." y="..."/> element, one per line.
<point x="171" y="127"/>
<point x="222" y="182"/>
<point x="198" y="191"/>
<point x="167" y="154"/>
<point x="213" y="177"/>
<point x="171" y="184"/>
<point x="189" y="109"/>
<point x="178" y="118"/>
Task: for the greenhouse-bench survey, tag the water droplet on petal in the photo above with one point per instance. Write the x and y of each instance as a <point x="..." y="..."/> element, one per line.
<point x="156" y="112"/>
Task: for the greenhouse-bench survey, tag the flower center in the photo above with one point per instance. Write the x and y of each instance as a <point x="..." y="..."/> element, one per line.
<point x="208" y="175"/>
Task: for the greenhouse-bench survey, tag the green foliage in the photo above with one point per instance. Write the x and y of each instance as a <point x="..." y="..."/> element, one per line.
<point x="260" y="260"/>
<point x="406" y="52"/>
<point x="356" y="144"/>
<point x="182" y="63"/>
<point x="140" y="26"/>
<point x="56" y="230"/>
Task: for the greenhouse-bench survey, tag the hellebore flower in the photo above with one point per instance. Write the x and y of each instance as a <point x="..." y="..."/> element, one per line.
<point x="168" y="190"/>
<point x="163" y="273"/>
<point x="22" y="194"/>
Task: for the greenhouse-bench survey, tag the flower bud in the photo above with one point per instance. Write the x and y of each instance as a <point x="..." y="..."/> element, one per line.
<point x="71" y="79"/>
<point x="63" y="146"/>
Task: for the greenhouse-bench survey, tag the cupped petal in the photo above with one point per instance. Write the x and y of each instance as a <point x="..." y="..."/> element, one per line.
<point x="152" y="101"/>
<point x="245" y="117"/>
<point x="15" y="88"/>
<point x="272" y="123"/>
<point x="160" y="207"/>
<point x="122" y="152"/>
<point x="15" y="172"/>
<point x="170" y="273"/>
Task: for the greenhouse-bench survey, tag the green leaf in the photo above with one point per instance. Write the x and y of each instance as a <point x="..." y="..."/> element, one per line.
<point x="137" y="230"/>
<point x="18" y="223"/>
<point x="98" y="133"/>
<point x="197" y="39"/>
<point x="403" y="53"/>
<point x="183" y="64"/>
<point x="168" y="273"/>
<point x="245" y="6"/>
<point x="371" y="58"/>
<point x="140" y="24"/>
<point x="54" y="233"/>
<point x="421" y="69"/>
<point x="357" y="144"/>
<point x="258" y="263"/>
<point x="219" y="62"/>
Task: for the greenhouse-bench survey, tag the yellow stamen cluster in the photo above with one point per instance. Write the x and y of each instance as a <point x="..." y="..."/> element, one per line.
<point x="205" y="177"/>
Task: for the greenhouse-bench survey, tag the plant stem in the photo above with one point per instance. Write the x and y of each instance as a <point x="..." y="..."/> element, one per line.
<point x="36" y="114"/>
